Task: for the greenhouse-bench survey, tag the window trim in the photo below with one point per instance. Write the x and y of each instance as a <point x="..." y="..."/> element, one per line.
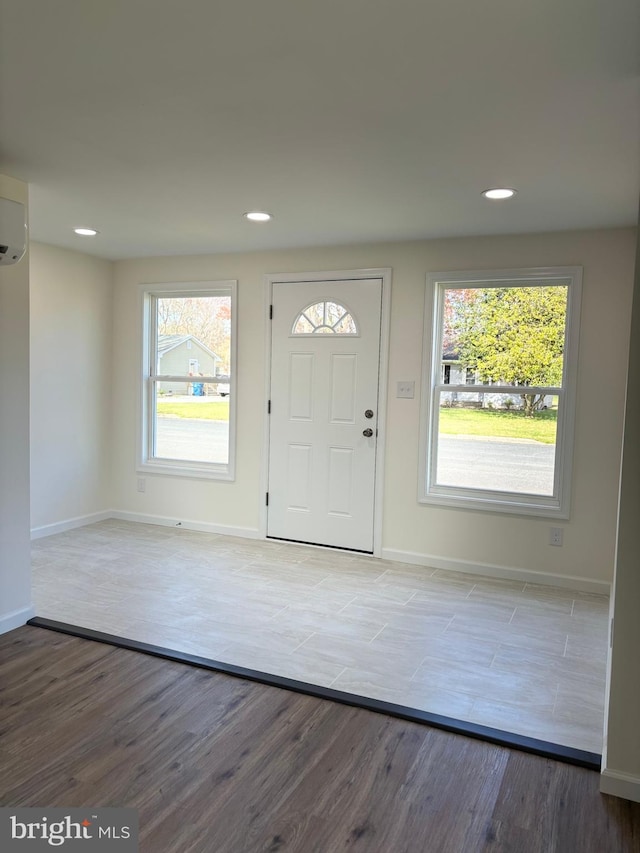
<point x="148" y="344"/>
<point x="557" y="506"/>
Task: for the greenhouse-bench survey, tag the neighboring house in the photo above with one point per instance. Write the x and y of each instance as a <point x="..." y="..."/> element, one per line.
<point x="184" y="355"/>
<point x="454" y="373"/>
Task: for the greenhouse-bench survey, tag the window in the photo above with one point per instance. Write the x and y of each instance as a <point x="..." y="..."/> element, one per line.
<point x="325" y="318"/>
<point x="513" y="336"/>
<point x="188" y="394"/>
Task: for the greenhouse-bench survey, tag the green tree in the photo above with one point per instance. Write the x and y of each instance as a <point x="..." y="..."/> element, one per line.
<point x="510" y="335"/>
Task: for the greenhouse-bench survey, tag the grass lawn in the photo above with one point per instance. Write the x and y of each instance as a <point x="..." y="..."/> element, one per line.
<point x="206" y="410"/>
<point x="499" y="424"/>
<point x="502" y="424"/>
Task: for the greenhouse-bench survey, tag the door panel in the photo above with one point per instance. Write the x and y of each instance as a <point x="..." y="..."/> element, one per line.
<point x="299" y="478"/>
<point x="341" y="485"/>
<point x="321" y="466"/>
<point x="301" y="386"/>
<point x="343" y="388"/>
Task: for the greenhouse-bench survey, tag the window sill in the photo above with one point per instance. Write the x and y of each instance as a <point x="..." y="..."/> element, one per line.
<point x="195" y="471"/>
<point x="527" y="505"/>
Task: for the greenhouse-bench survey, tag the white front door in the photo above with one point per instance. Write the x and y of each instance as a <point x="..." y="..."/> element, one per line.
<point x="325" y="364"/>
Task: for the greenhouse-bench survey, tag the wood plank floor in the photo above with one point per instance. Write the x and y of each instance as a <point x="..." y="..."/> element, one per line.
<point x="216" y="764"/>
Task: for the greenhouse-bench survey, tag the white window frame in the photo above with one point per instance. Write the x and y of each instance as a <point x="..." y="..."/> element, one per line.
<point x="146" y="462"/>
<point x="429" y="492"/>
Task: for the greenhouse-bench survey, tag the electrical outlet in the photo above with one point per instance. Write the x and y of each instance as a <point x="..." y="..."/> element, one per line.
<point x="555" y="536"/>
<point x="142" y="484"/>
<point x="406" y="389"/>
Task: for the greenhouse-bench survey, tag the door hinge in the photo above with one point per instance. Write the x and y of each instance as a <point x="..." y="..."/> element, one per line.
<point x="267" y="501"/>
<point x="269" y="407"/>
<point x="271" y="312"/>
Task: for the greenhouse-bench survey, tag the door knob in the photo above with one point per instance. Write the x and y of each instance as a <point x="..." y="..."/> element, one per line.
<point x="367" y="432"/>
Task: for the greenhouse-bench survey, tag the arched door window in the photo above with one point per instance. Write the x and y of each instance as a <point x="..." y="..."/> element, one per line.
<point x="325" y="318"/>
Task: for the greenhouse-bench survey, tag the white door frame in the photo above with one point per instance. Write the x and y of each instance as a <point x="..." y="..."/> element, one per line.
<point x="383" y="273"/>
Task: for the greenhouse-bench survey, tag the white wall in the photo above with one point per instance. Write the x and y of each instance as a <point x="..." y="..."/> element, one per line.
<point x="621" y="758"/>
<point x="15" y="563"/>
<point x="452" y="537"/>
<point x="71" y="340"/>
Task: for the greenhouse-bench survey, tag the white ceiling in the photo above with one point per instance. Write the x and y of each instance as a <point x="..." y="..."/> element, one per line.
<point x="160" y="122"/>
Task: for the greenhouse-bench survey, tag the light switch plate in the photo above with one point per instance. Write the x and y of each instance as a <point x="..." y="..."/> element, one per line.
<point x="406" y="389"/>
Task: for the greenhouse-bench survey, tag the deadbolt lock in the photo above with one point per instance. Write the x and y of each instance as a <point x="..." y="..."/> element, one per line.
<point x="368" y="413"/>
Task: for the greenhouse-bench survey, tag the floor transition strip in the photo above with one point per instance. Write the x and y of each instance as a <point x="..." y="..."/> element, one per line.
<point x="558" y="752"/>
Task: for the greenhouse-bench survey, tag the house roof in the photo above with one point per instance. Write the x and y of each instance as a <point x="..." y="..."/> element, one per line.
<point x="350" y="121"/>
<point x="450" y="354"/>
<point x="169" y="342"/>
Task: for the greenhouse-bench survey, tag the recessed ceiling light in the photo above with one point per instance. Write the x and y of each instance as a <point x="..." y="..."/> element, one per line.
<point x="86" y="232"/>
<point x="258" y="216"/>
<point x="499" y="192"/>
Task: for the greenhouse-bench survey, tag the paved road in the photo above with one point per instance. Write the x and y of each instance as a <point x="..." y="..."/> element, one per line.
<point x="515" y="466"/>
<point x="193" y="439"/>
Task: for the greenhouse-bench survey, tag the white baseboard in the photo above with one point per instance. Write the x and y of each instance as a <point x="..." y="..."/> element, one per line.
<point x="412" y="557"/>
<point x="69" y="524"/>
<point x="142" y="518"/>
<point x="508" y="573"/>
<point x="15" y="619"/>
<point x="185" y="524"/>
<point x="619" y="784"/>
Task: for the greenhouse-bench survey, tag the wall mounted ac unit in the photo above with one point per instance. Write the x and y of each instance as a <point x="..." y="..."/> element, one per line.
<point x="13" y="231"/>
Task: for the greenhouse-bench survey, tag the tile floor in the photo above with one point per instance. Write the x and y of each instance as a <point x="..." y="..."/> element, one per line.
<point x="524" y="658"/>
